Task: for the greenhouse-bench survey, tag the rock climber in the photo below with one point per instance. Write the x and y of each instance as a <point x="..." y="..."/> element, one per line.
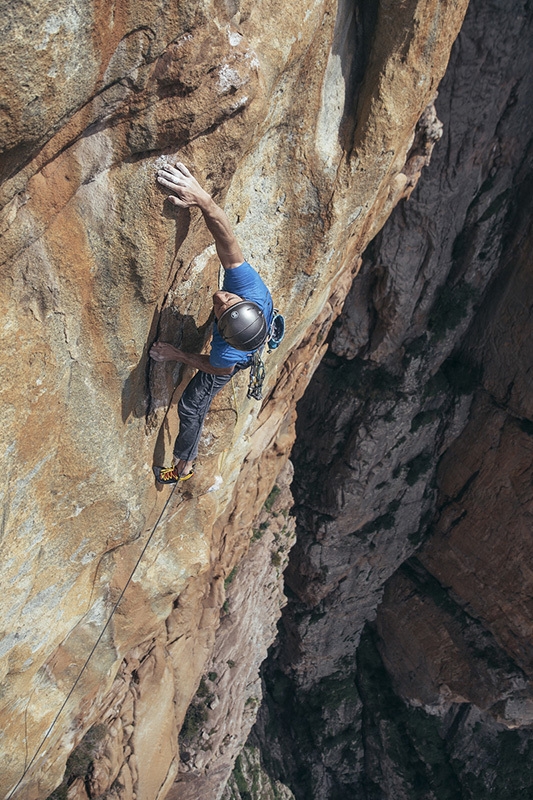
<point x="243" y="314"/>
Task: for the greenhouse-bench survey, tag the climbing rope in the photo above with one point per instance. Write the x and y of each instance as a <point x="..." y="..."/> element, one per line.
<point x="99" y="639"/>
<point x="235" y="400"/>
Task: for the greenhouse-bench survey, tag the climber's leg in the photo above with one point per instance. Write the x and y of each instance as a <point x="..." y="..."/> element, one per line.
<point x="192" y="410"/>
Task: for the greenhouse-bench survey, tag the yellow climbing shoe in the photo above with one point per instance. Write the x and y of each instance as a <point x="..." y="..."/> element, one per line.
<point x="170" y="475"/>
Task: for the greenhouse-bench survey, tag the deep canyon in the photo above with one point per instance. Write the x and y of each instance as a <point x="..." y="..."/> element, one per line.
<point x="339" y="605"/>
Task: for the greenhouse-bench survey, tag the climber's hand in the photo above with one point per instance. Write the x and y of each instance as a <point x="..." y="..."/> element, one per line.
<point x="163" y="351"/>
<point x="185" y="185"/>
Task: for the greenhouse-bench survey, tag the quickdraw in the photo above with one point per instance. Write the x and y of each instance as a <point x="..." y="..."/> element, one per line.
<point x="257" y="377"/>
<point x="257" y="368"/>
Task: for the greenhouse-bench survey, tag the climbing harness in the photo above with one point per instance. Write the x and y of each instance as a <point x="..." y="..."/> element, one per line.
<point x="257" y="368"/>
<point x="67" y="698"/>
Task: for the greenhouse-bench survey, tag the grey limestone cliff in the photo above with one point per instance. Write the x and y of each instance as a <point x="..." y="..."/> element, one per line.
<point x="402" y="667"/>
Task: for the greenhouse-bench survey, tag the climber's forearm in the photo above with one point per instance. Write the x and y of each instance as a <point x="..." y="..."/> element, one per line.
<point x="164" y="351"/>
<point x="190" y="193"/>
<point x="202" y="363"/>
<point x="228" y="248"/>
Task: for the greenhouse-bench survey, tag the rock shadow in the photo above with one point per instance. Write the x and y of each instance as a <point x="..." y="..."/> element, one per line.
<point x="151" y="384"/>
<point x="353" y="39"/>
<point x="164" y="379"/>
<point x="165" y="325"/>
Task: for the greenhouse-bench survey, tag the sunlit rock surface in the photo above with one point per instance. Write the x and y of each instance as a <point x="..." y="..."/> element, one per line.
<point x="308" y="123"/>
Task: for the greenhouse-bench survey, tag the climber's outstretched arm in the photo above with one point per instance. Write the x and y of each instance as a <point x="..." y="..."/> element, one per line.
<point x="163" y="351"/>
<point x="190" y="193"/>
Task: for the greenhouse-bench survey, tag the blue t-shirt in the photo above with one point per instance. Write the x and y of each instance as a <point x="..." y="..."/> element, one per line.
<point x="245" y="282"/>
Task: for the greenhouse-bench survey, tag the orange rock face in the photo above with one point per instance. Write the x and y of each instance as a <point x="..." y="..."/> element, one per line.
<point x="304" y="140"/>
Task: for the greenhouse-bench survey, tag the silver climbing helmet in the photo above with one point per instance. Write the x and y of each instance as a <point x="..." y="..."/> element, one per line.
<point x="243" y="326"/>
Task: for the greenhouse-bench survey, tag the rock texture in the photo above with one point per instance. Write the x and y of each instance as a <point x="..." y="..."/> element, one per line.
<point x="249" y="775"/>
<point x="414" y="435"/>
<point x="113" y="596"/>
<point x="224" y="709"/>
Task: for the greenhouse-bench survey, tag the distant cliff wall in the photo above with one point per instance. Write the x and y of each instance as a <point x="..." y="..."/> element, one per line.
<point x="403" y="675"/>
<point x="301" y="121"/>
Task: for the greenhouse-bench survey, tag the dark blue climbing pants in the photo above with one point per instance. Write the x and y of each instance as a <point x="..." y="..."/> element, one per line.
<point x="192" y="410"/>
